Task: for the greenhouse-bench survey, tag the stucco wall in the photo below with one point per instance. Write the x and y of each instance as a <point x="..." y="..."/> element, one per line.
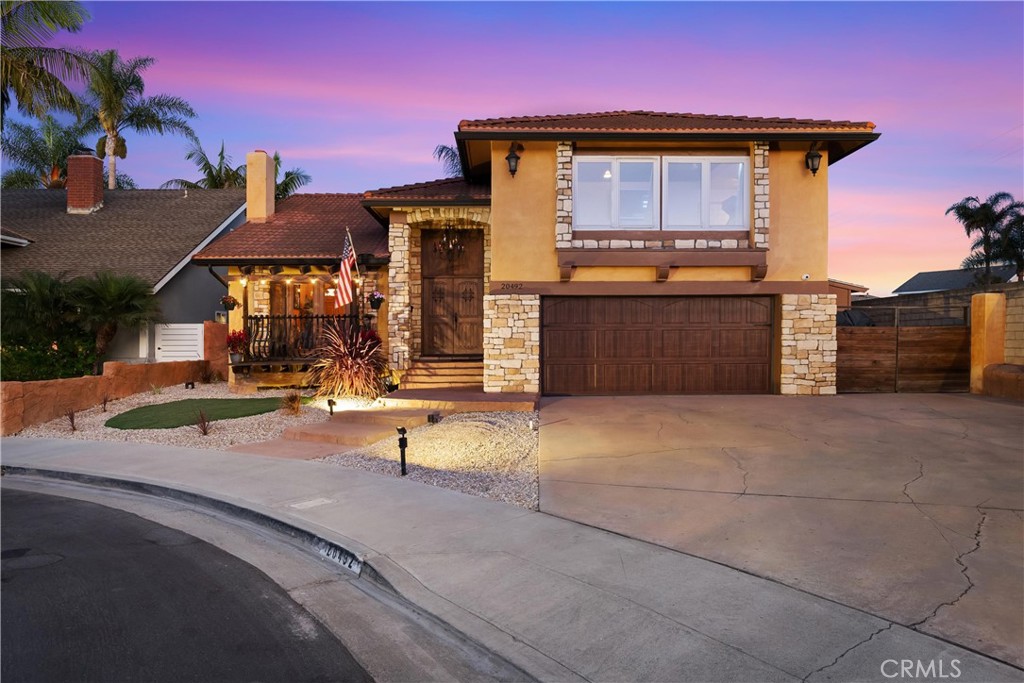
<point x="26" y="404"/>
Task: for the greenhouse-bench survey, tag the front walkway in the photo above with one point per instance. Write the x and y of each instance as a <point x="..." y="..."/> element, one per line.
<point x="906" y="506"/>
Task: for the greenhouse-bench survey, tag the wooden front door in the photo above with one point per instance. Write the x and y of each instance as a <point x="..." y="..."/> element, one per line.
<point x="453" y="295"/>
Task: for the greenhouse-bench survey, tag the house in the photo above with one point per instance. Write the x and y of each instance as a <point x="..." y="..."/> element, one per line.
<point x="283" y="266"/>
<point x="626" y="252"/>
<point x="148" y="233"/>
<point x="945" y="280"/>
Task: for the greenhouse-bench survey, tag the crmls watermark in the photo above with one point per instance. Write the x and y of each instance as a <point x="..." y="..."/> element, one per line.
<point x="916" y="668"/>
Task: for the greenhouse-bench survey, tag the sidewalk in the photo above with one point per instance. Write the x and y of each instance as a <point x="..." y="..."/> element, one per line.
<point x="558" y="599"/>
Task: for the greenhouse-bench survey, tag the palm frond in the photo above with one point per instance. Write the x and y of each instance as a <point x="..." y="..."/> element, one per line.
<point x="450" y="161"/>
<point x="20" y="179"/>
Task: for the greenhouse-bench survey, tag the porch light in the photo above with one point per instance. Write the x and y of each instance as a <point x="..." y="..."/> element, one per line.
<point x="288" y="281"/>
<point x="449" y="246"/>
<point x="512" y="158"/>
<point x="813" y="159"/>
<point x="244" y="281"/>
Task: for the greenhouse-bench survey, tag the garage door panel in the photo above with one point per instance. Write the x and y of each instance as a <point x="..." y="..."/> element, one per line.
<point x="572" y="344"/>
<point x="625" y="378"/>
<point x="624" y="344"/>
<point x="686" y="343"/>
<point x="669" y="345"/>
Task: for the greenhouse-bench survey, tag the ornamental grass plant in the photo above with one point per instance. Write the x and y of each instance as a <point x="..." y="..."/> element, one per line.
<point x="349" y="363"/>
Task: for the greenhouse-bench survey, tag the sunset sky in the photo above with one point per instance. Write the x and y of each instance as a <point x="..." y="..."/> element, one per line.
<point x="358" y="94"/>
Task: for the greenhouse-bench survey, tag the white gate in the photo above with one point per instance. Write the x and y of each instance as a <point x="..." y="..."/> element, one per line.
<point x="179" y="341"/>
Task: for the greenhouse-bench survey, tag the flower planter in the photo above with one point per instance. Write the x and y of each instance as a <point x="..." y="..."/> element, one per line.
<point x="375" y="304"/>
<point x="235" y="358"/>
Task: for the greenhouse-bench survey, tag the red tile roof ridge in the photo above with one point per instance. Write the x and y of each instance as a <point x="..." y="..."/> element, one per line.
<point x="416" y="186"/>
<point x="640" y="112"/>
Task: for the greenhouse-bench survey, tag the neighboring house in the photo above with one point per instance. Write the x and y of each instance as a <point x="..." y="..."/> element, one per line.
<point x="283" y="267"/>
<point x="148" y="233"/>
<point x="945" y="280"/>
<point x="846" y="293"/>
<point x="614" y="253"/>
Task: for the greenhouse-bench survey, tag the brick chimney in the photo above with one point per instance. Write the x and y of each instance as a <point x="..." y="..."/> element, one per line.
<point x="259" y="186"/>
<point x="85" y="183"/>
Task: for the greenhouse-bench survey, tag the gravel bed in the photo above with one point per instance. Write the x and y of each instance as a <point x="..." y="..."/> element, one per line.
<point x="223" y="434"/>
<point x="492" y="455"/>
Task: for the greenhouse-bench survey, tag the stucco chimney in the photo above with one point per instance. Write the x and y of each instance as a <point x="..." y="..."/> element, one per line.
<point x="85" y="183"/>
<point x="259" y="186"/>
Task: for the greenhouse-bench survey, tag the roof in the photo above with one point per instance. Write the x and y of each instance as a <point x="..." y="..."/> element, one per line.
<point x="849" y="286"/>
<point x="942" y="280"/>
<point x="446" y="190"/>
<point x="305" y="229"/>
<point x="12" y="237"/>
<point x="146" y="233"/>
<point x="653" y="121"/>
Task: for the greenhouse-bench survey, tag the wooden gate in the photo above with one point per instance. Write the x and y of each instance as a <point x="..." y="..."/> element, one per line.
<point x="903" y="359"/>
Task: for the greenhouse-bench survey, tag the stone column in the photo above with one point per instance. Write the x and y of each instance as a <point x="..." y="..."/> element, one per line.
<point x="808" y="344"/>
<point x="399" y="296"/>
<point x="512" y="343"/>
<point x="762" y="208"/>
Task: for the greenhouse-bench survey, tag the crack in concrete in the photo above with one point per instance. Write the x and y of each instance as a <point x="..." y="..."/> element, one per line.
<point x="934" y="522"/>
<point x="963" y="571"/>
<point x="847" y="651"/>
<point x="742" y="469"/>
<point x="618" y="456"/>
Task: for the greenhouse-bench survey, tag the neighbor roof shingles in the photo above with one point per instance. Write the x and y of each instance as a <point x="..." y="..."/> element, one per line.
<point x="137" y="232"/>
<point x="659" y="122"/>
<point x="455" y="190"/>
<point x="304" y="226"/>
<point x="942" y="280"/>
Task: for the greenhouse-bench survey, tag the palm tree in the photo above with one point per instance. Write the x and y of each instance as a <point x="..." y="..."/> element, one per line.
<point x="108" y="301"/>
<point x="39" y="155"/>
<point x="293" y="179"/>
<point x="985" y="221"/>
<point x="450" y="161"/>
<point x="36" y="308"/>
<point x="31" y="73"/>
<point x="119" y="103"/>
<point x="217" y="175"/>
<point x="1011" y="242"/>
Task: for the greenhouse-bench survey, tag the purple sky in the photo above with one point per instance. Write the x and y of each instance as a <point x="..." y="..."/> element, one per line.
<point x="358" y="94"/>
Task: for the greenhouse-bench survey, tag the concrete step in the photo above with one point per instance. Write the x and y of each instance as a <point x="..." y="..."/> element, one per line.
<point x="345" y="433"/>
<point x="458" y="400"/>
<point x="291" y="449"/>
<point x="390" y="418"/>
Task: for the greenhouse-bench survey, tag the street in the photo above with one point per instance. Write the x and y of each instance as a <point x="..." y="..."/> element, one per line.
<point x="94" y="593"/>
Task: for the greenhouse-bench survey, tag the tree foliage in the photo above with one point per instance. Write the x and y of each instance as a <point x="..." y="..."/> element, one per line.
<point x="450" y="161"/>
<point x="989" y="223"/>
<point x="220" y="174"/>
<point x="109" y="301"/>
<point x="30" y="72"/>
<point x="118" y="103"/>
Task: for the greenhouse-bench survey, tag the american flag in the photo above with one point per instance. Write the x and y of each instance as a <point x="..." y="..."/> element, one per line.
<point x="343" y="292"/>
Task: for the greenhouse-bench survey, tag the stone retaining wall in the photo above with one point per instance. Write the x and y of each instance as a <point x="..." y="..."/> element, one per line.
<point x="25" y="404"/>
<point x="512" y="343"/>
<point x="808" y="335"/>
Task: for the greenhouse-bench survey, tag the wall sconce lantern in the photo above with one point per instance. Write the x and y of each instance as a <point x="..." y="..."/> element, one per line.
<point x="512" y="158"/>
<point x="813" y="159"/>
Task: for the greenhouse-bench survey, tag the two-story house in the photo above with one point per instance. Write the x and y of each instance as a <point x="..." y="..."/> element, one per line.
<point x="623" y="252"/>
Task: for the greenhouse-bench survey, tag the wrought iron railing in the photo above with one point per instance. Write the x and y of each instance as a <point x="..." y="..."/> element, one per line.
<point x="291" y="337"/>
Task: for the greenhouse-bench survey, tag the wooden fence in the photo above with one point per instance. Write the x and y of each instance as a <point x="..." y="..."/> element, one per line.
<point x="903" y="359"/>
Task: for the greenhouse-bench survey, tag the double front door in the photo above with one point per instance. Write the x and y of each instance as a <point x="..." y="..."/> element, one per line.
<point x="453" y="292"/>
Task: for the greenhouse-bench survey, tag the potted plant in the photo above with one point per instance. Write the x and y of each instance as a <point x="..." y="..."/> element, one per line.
<point x="376" y="299"/>
<point x="228" y="302"/>
<point x="237" y="343"/>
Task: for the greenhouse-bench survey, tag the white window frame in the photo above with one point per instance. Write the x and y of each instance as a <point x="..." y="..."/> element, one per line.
<point x="615" y="161"/>
<point x="660" y="178"/>
<point x="705" y="191"/>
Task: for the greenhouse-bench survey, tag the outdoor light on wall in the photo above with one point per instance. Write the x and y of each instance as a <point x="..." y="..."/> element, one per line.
<point x="513" y="158"/>
<point x="449" y="245"/>
<point x="244" y="281"/>
<point x="813" y="159"/>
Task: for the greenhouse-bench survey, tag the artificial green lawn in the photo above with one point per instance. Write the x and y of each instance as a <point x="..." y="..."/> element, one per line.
<point x="181" y="413"/>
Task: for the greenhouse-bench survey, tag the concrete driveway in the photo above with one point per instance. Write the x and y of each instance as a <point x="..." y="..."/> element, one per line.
<point x="910" y="507"/>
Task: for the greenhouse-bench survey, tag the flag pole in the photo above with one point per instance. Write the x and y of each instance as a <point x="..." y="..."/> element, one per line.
<point x="359" y="274"/>
<point x="349" y="233"/>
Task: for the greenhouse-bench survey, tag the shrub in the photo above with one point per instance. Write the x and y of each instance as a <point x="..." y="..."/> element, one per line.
<point x="37" y="361"/>
<point x="203" y="423"/>
<point x="292" y="403"/>
<point x="238" y="341"/>
<point x="349" y="363"/>
<point x="69" y="415"/>
<point x="206" y="374"/>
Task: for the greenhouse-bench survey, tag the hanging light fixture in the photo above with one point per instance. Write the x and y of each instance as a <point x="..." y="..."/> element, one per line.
<point x="449" y="245"/>
<point x="813" y="159"/>
<point x="513" y="158"/>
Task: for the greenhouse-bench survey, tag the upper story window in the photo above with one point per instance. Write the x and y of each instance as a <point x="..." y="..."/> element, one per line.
<point x="661" y="192"/>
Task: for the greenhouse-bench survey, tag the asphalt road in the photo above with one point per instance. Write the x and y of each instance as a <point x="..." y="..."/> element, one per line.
<point x="94" y="593"/>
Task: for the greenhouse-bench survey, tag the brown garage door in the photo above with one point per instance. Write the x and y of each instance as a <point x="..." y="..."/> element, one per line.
<point x="656" y="345"/>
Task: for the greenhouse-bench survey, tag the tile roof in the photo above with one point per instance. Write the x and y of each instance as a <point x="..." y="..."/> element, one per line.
<point x="139" y="232"/>
<point x="308" y="227"/>
<point x="943" y="280"/>
<point x="660" y="122"/>
<point x="453" y="190"/>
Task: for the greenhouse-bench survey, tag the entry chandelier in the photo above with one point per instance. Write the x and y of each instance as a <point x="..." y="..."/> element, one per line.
<point x="449" y="246"/>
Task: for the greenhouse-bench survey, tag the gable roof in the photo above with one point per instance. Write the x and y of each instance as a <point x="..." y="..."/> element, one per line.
<point x="446" y="190"/>
<point x="661" y="122"/>
<point x="147" y="233"/>
<point x="306" y="229"/>
<point x="942" y="280"/>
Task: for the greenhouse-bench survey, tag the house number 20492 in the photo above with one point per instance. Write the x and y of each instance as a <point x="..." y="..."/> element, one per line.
<point x="511" y="285"/>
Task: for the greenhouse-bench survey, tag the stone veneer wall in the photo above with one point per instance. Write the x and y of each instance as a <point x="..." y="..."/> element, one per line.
<point x="808" y="344"/>
<point x="512" y="343"/>
<point x="1014" y="346"/>
<point x="404" y="315"/>
<point x="563" y="212"/>
<point x="259" y="296"/>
